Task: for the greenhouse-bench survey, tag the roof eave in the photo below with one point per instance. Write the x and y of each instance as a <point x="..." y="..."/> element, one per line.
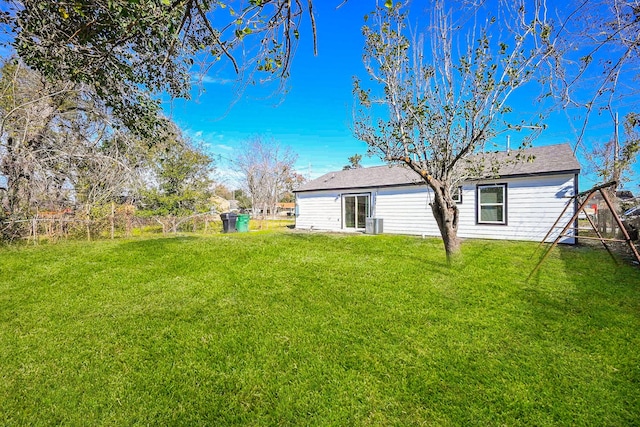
<point x="527" y="174"/>
<point x="408" y="184"/>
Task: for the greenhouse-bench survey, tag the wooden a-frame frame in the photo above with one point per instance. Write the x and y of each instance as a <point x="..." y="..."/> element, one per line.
<point x="581" y="205"/>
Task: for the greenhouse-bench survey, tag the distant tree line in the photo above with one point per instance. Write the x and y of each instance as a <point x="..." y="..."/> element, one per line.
<point x="63" y="150"/>
<point x="65" y="155"/>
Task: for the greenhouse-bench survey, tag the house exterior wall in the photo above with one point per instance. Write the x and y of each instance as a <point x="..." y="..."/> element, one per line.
<point x="406" y="210"/>
<point x="533" y="205"/>
<point x="319" y="210"/>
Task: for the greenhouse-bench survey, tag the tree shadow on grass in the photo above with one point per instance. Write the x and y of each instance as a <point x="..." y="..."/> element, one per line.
<point x="582" y="315"/>
<point x="583" y="277"/>
<point x="159" y="245"/>
<point x="412" y="248"/>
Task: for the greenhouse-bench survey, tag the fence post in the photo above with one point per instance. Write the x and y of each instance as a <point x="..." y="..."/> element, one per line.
<point x="113" y="219"/>
<point x="34" y="227"/>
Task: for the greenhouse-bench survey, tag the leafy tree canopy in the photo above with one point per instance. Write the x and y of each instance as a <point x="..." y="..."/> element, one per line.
<point x="128" y="49"/>
<point x="354" y="162"/>
<point x="182" y="179"/>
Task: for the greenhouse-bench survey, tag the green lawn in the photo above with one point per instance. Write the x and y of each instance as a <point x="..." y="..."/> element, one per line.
<point x="276" y="328"/>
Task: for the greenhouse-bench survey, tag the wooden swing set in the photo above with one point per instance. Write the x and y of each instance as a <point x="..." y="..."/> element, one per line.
<point x="569" y="230"/>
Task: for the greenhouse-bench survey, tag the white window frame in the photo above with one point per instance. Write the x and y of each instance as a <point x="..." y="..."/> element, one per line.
<point x="479" y="204"/>
<point x="344" y="210"/>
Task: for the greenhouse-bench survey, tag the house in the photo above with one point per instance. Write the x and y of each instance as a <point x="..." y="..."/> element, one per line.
<point x="219" y="204"/>
<point x="521" y="203"/>
<point x="286" y="208"/>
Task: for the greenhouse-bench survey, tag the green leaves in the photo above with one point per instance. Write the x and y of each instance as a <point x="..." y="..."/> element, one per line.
<point x="388" y="4"/>
<point x="130" y="50"/>
<point x="182" y="174"/>
<point x="241" y="32"/>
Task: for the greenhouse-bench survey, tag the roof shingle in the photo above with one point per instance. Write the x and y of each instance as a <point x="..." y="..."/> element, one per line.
<point x="547" y="159"/>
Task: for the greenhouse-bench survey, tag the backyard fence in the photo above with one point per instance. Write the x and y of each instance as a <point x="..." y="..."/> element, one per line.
<point x="607" y="225"/>
<point x="53" y="227"/>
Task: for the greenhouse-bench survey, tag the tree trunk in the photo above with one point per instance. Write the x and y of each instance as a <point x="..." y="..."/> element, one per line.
<point x="445" y="212"/>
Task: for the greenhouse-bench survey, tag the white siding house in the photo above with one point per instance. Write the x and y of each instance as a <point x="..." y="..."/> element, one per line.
<point x="522" y="203"/>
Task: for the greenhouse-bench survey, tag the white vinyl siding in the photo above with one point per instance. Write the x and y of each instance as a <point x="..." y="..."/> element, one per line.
<point x="406" y="210"/>
<point x="319" y="210"/>
<point x="532" y="204"/>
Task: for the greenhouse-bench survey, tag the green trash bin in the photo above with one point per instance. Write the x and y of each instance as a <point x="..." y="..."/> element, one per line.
<point x="242" y="223"/>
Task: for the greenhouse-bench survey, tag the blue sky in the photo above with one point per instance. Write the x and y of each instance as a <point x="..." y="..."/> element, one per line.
<point x="314" y="117"/>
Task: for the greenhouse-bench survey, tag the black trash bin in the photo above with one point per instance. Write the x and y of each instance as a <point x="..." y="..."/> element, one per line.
<point x="228" y="222"/>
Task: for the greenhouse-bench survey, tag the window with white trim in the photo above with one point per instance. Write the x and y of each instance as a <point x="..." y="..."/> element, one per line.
<point x="492" y="204"/>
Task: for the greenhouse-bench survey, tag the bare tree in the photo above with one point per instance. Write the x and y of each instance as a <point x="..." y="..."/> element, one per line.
<point x="597" y="59"/>
<point x="267" y="171"/>
<point x="596" y="75"/>
<point x="59" y="147"/>
<point x="26" y="112"/>
<point x="442" y="103"/>
<point x="612" y="161"/>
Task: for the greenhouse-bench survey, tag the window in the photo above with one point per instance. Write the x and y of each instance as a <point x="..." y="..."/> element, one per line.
<point x="492" y="204"/>
<point x="456" y="195"/>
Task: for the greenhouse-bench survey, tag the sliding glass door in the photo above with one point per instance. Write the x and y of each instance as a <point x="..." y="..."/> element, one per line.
<point x="355" y="210"/>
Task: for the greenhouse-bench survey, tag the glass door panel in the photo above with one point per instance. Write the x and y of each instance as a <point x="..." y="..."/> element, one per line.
<point x="363" y="211"/>
<point x="356" y="211"/>
<point x="350" y="212"/>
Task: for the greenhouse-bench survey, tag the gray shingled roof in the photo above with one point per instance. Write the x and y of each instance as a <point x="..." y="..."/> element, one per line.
<point x="547" y="159"/>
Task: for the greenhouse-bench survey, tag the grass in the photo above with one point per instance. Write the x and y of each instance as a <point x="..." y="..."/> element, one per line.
<point x="273" y="328"/>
